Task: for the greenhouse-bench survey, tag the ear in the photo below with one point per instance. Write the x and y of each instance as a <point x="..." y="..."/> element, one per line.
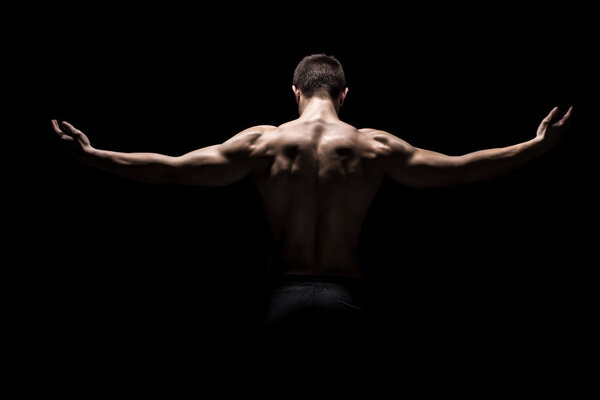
<point x="297" y="93"/>
<point x="343" y="96"/>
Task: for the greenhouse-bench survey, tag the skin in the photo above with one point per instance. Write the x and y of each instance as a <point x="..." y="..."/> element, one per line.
<point x="317" y="175"/>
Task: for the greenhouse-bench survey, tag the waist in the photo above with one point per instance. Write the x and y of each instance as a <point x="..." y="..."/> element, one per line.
<point x="299" y="278"/>
<point x="349" y="268"/>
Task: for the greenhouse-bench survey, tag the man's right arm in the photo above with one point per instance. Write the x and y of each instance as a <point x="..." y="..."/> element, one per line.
<point x="417" y="167"/>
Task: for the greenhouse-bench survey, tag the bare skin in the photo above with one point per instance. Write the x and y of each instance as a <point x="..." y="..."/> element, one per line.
<point x="317" y="175"/>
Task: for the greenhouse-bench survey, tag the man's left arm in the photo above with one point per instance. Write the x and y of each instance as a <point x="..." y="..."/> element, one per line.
<point x="217" y="165"/>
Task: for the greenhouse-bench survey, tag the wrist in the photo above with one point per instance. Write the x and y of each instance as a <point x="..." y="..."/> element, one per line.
<point x="88" y="154"/>
<point x="543" y="144"/>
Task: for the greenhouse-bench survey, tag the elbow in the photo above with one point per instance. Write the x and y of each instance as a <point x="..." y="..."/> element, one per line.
<point x="450" y="172"/>
<point x="167" y="173"/>
<point x="460" y="172"/>
<point x="172" y="176"/>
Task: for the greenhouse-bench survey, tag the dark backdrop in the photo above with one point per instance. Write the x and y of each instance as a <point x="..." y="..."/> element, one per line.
<point x="124" y="271"/>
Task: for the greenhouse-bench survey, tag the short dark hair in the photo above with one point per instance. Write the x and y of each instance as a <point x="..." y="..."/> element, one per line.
<point x="320" y="75"/>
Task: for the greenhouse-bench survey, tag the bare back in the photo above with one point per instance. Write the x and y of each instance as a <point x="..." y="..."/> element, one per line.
<point x="317" y="188"/>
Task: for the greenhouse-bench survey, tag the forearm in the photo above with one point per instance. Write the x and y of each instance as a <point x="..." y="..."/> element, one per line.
<point x="142" y="167"/>
<point x="491" y="163"/>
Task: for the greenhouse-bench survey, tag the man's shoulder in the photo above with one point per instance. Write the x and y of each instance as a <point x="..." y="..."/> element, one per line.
<point x="387" y="142"/>
<point x="373" y="131"/>
<point x="377" y="135"/>
<point x="258" y="129"/>
<point x="246" y="140"/>
<point x="380" y="135"/>
<point x="250" y="135"/>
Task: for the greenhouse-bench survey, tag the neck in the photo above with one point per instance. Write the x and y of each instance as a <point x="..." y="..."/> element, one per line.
<point x="318" y="108"/>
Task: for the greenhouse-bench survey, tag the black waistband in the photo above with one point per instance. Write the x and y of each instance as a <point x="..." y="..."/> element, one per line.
<point x="302" y="278"/>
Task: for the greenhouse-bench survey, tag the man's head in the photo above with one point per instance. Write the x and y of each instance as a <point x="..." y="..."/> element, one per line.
<point x="322" y="76"/>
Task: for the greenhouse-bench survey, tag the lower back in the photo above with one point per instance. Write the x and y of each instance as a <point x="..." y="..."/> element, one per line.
<point x="311" y="260"/>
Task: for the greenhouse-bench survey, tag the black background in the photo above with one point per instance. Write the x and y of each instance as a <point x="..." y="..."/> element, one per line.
<point x="137" y="276"/>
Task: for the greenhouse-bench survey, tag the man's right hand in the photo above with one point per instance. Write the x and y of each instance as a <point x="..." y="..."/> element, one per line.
<point x="552" y="129"/>
<point x="76" y="142"/>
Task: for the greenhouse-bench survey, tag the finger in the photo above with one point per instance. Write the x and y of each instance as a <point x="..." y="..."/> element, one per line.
<point x="55" y="127"/>
<point x="66" y="138"/>
<point x="566" y="119"/>
<point x="550" y="116"/>
<point x="69" y="128"/>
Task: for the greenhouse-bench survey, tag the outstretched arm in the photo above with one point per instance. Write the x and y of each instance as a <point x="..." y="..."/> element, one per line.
<point x="424" y="168"/>
<point x="216" y="165"/>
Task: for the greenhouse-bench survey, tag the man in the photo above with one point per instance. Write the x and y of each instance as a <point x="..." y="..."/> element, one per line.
<point x="317" y="177"/>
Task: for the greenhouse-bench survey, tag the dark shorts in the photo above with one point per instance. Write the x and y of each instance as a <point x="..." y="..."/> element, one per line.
<point x="315" y="309"/>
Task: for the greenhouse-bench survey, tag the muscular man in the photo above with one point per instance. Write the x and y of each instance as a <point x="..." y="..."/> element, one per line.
<point x="317" y="176"/>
